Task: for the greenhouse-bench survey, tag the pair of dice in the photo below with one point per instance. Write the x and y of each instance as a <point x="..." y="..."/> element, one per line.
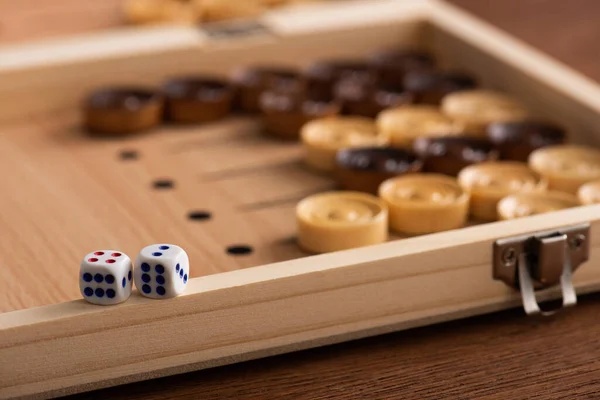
<point x="160" y="271"/>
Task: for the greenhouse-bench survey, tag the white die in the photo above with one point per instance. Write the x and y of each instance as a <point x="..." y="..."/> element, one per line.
<point x="105" y="277"/>
<point x="161" y="271"/>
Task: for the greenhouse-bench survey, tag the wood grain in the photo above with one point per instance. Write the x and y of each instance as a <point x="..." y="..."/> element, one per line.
<point x="497" y="356"/>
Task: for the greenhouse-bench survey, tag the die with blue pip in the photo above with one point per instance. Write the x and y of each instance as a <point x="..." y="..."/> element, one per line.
<point x="105" y="277"/>
<point x="161" y="271"/>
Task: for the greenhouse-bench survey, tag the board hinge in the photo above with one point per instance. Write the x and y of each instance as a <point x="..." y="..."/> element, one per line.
<point x="541" y="260"/>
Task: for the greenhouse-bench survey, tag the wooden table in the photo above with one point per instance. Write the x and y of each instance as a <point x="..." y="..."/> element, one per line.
<point x="499" y="356"/>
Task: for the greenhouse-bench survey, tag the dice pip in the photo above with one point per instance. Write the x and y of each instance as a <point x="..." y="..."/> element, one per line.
<point x="105" y="277"/>
<point x="161" y="271"/>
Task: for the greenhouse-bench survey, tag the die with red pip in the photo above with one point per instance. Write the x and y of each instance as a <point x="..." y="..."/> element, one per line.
<point x="105" y="277"/>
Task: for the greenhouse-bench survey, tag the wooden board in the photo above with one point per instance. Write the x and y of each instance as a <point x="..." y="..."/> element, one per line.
<point x="79" y="193"/>
<point x="444" y="361"/>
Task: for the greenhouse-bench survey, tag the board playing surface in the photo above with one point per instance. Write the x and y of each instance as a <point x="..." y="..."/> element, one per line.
<point x="498" y="356"/>
<point x="225" y="192"/>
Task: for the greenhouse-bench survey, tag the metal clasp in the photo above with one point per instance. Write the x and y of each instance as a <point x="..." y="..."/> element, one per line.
<point x="542" y="260"/>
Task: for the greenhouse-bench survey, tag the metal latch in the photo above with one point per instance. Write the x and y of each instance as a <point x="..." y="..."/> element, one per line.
<point x="541" y="260"/>
<point x="236" y="29"/>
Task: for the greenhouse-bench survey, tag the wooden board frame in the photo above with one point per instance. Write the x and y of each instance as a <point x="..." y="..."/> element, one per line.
<point x="256" y="312"/>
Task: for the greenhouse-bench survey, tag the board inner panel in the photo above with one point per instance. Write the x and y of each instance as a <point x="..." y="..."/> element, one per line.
<point x="225" y="192"/>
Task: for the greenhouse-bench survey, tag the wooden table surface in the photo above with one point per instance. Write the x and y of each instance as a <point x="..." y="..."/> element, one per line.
<point x="498" y="356"/>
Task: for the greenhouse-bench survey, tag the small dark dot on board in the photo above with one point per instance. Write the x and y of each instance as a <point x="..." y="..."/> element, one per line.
<point x="163" y="184"/>
<point x="199" y="215"/>
<point x="239" y="250"/>
<point x="128" y="155"/>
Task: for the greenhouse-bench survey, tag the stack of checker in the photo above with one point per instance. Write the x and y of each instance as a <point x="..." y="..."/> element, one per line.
<point x="144" y="12"/>
<point x="413" y="148"/>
